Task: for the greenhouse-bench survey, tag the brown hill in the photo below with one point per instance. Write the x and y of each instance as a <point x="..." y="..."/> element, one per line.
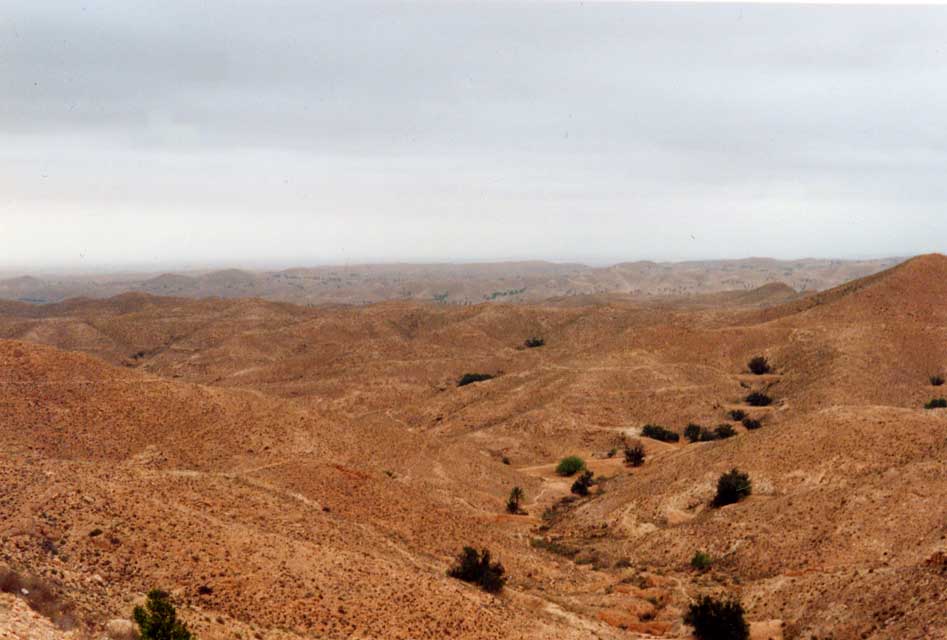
<point x="247" y="417"/>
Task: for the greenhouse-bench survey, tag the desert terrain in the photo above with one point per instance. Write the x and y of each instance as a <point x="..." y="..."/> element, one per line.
<point x="459" y="284"/>
<point x="289" y="466"/>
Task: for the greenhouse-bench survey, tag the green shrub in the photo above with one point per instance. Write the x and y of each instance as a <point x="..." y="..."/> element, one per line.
<point x="692" y="432"/>
<point x="513" y="502"/>
<point x="737" y="414"/>
<point x="658" y="432"/>
<point x="634" y="456"/>
<point x="714" y="619"/>
<point x="581" y="486"/>
<point x="732" y="486"/>
<point x="937" y="381"/>
<point x="724" y="431"/>
<point x="477" y="569"/>
<point x="157" y="620"/>
<point x="752" y="423"/>
<point x="759" y="365"/>
<point x="470" y="378"/>
<point x="758" y="399"/>
<point x="701" y="561"/>
<point x="570" y="465"/>
<point x="936" y="403"/>
<point x="706" y="435"/>
<point x="532" y="343"/>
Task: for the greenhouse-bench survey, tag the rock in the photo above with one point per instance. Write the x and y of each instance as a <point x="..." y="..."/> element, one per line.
<point x="121" y="629"/>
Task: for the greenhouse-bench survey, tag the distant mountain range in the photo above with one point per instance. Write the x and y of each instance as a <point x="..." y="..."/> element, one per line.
<point x="456" y="283"/>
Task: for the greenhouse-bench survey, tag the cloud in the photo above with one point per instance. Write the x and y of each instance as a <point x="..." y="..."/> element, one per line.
<point x="317" y="132"/>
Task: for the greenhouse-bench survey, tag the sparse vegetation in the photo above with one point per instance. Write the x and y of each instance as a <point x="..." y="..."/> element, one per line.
<point x="697" y="433"/>
<point x="513" y="502"/>
<point x="657" y="432"/>
<point x="701" y="561"/>
<point x="758" y="399"/>
<point x="714" y="619"/>
<point x="737" y="414"/>
<point x="476" y="568"/>
<point x="724" y="431"/>
<point x="470" y="378"/>
<point x="937" y="381"/>
<point x="158" y="620"/>
<point x="692" y="432"/>
<point x="752" y="423"/>
<point x="581" y="486"/>
<point x="732" y="486"/>
<point x="533" y="342"/>
<point x="937" y="403"/>
<point x="634" y="455"/>
<point x="759" y="366"/>
<point x="570" y="465"/>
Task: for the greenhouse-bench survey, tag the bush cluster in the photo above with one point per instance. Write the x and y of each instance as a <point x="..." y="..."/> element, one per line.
<point x="470" y="378"/>
<point x="758" y="399"/>
<point x="732" y="486"/>
<point x="724" y="431"/>
<point x="752" y="423"/>
<point x="533" y="342"/>
<point x="476" y="568"/>
<point x="759" y="365"/>
<point x="634" y="456"/>
<point x="937" y="381"/>
<point x="737" y="414"/>
<point x="937" y="403"/>
<point x="570" y="465"/>
<point x="658" y="432"/>
<point x="714" y="619"/>
<point x="581" y="486"/>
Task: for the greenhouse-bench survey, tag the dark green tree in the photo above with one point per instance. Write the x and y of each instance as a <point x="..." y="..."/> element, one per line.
<point x="732" y="486"/>
<point x="714" y="619"/>
<point x="476" y="568"/>
<point x="158" y="620"/>
<point x="581" y="486"/>
<point x="513" y="502"/>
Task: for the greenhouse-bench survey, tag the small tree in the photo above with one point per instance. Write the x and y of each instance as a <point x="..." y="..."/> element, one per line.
<point x="732" y="486"/>
<point x="157" y="620"/>
<point x="714" y="619"/>
<point x="470" y="378"/>
<point x="692" y="432"/>
<point x="937" y="403"/>
<point x="533" y="342"/>
<point x="758" y="399"/>
<point x="634" y="456"/>
<point x="581" y="486"/>
<point x="476" y="568"/>
<point x="570" y="465"/>
<point x="759" y="365"/>
<point x="701" y="561"/>
<point x="513" y="502"/>
<point x="752" y="423"/>
<point x="937" y="381"/>
<point x="657" y="432"/>
<point x="737" y="414"/>
<point x="724" y="431"/>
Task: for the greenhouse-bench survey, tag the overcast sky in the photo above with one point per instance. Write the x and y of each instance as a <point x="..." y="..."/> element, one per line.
<point x="182" y="133"/>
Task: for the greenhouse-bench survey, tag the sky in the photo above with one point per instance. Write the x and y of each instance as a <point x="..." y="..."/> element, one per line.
<point x="187" y="133"/>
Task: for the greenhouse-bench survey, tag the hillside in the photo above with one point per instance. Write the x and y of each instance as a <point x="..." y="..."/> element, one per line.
<point x="317" y="468"/>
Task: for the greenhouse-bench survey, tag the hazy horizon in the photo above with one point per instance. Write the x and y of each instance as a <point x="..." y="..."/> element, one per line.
<point x="162" y="138"/>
